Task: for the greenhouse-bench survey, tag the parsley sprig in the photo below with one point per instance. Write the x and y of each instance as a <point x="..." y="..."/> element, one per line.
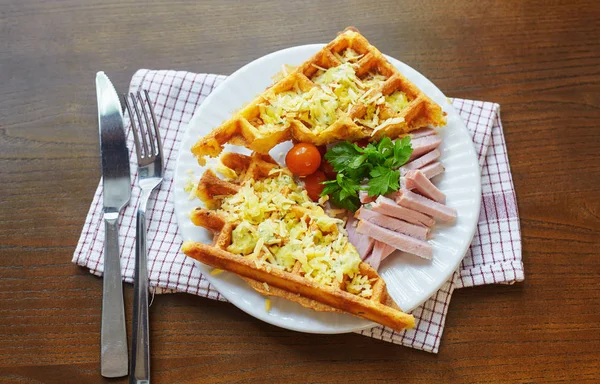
<point x="377" y="162"/>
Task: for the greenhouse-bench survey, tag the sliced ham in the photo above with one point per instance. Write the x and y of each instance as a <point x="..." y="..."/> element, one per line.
<point x="379" y="253"/>
<point x="423" y="145"/>
<point x="433" y="169"/>
<point x="389" y="207"/>
<point x="427" y="206"/>
<point x="422" y="133"/>
<point x="362" y="243"/>
<point x="395" y="239"/>
<point x="427" y="158"/>
<point x="418" y="181"/>
<point x="392" y="223"/>
<point x="365" y="198"/>
<point x="373" y="261"/>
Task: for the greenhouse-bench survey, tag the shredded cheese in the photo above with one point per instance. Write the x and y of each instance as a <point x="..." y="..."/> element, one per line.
<point x="338" y="89"/>
<point x="373" y="80"/>
<point x="277" y="225"/>
<point x="190" y="185"/>
<point x="224" y="170"/>
<point x="316" y="66"/>
<point x="397" y="101"/>
<point x="316" y="107"/>
<point x="323" y="199"/>
<point x="343" y="82"/>
<point x="390" y="121"/>
<point x="349" y="56"/>
<point x="360" y="285"/>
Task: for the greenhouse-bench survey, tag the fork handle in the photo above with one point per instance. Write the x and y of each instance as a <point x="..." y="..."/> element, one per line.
<point x="140" y="357"/>
<point x="113" y="334"/>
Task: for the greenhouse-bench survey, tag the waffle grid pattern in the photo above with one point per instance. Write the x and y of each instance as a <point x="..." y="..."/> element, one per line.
<point x="246" y="128"/>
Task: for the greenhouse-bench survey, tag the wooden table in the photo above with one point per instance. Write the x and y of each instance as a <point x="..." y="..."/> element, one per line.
<point x="539" y="61"/>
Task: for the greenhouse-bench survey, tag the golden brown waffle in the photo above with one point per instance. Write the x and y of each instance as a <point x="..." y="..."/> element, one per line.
<point x="293" y="286"/>
<point x="246" y="128"/>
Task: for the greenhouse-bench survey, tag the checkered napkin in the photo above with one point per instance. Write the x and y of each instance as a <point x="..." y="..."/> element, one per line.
<point x="494" y="256"/>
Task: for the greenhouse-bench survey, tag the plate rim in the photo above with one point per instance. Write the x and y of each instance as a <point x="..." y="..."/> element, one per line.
<point x="263" y="315"/>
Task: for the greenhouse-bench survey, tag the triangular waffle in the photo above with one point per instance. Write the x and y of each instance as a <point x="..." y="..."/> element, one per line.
<point x="270" y="279"/>
<point x="347" y="91"/>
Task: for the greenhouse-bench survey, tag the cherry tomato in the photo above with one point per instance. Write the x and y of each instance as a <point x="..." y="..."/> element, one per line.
<point x="313" y="186"/>
<point x="322" y="150"/>
<point x="328" y="169"/>
<point x="303" y="159"/>
<point x="362" y="143"/>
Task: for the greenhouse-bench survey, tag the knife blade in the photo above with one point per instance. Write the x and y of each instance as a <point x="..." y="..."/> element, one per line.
<point x="116" y="195"/>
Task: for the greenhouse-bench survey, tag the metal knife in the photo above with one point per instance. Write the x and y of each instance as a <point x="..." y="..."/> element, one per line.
<point x="117" y="193"/>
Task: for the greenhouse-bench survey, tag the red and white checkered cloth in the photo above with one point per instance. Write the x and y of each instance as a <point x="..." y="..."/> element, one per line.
<point x="494" y="256"/>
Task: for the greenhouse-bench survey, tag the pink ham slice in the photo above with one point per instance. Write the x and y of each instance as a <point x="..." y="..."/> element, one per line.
<point x="396" y="240"/>
<point x="423" y="145"/>
<point x="433" y="169"/>
<point x="362" y="243"/>
<point x="380" y="252"/>
<point x="429" y="157"/>
<point x="396" y="225"/>
<point x="424" y="205"/>
<point x="422" y="133"/>
<point x="418" y="181"/>
<point x="365" y="198"/>
<point x="389" y="207"/>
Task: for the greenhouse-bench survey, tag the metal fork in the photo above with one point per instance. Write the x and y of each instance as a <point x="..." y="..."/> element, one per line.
<point x="150" y="175"/>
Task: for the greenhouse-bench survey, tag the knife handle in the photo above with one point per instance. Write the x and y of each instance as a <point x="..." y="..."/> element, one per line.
<point x="113" y="334"/>
<point x="140" y="345"/>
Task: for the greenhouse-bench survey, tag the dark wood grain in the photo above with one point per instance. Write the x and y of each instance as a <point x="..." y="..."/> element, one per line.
<point x="539" y="60"/>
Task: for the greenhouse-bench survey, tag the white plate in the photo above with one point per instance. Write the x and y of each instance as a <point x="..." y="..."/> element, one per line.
<point x="410" y="279"/>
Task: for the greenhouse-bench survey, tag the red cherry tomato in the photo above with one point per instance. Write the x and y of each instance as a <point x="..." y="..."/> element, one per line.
<point x="313" y="186"/>
<point x="362" y="143"/>
<point x="328" y="169"/>
<point x="303" y="159"/>
<point x="322" y="150"/>
<point x="326" y="165"/>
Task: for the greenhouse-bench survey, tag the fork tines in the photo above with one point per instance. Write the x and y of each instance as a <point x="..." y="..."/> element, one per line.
<point x="144" y="126"/>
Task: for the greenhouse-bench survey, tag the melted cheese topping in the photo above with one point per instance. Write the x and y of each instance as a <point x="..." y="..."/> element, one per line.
<point x="348" y="56"/>
<point x="343" y="83"/>
<point x="317" y="108"/>
<point x="278" y="225"/>
<point x="397" y="101"/>
<point x="337" y="91"/>
<point x="373" y="80"/>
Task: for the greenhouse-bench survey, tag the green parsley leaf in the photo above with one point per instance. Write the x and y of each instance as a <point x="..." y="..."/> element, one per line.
<point x="402" y="151"/>
<point x="357" y="162"/>
<point x="377" y="162"/>
<point x="349" y="185"/>
<point x="383" y="180"/>
<point x="374" y="156"/>
<point x="342" y="192"/>
<point x="386" y="147"/>
<point x="351" y="203"/>
<point x="330" y="187"/>
<point x="359" y="174"/>
<point x="341" y="155"/>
